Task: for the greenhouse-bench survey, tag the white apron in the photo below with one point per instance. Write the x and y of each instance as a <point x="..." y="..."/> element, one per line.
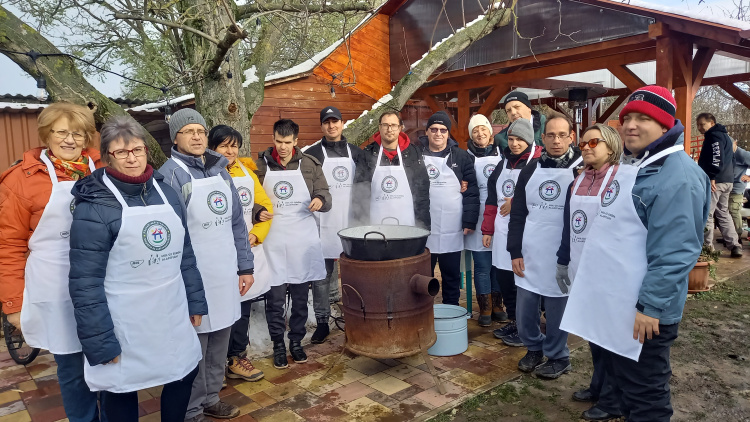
<point x="209" y="222"/>
<point x="506" y="188"/>
<point x="545" y="200"/>
<point x="339" y="173"/>
<point x="483" y="167"/>
<point x="245" y="186"/>
<point x="391" y="201"/>
<point x="601" y="306"/>
<point x="147" y="301"/>
<point x="583" y="210"/>
<point x="446" y="207"/>
<point x="292" y="247"/>
<point x="47" y="312"/>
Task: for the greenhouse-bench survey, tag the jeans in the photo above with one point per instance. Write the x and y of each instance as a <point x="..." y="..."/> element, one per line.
<point x="80" y="403"/>
<point x="735" y="205"/>
<point x="720" y="206"/>
<point x="210" y="376"/>
<point x="239" y="339"/>
<point x="275" y="300"/>
<point x="450" y="273"/>
<point x="554" y="343"/>
<point x="322" y="292"/>
<point x="506" y="281"/>
<point x="483" y="280"/>
<point x="123" y="407"/>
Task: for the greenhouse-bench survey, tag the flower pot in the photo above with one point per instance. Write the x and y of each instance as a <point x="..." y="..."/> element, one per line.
<point x="698" y="278"/>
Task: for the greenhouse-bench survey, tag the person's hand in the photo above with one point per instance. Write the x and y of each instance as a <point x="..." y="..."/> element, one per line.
<point x="315" y="205"/>
<point x="713" y="186"/>
<point x="264" y="216"/>
<point x="253" y="239"/>
<point x="115" y="360"/>
<point x="15" y="320"/>
<point x="745" y="178"/>
<point x="505" y="208"/>
<point x="563" y="279"/>
<point x="246" y="282"/>
<point x="487" y="240"/>
<point x="196" y="320"/>
<point x="467" y="231"/>
<point x="645" y="327"/>
<point x="518" y="267"/>
<point x="464" y="186"/>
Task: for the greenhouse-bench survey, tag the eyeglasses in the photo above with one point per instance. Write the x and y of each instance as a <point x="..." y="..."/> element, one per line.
<point x="435" y="130"/>
<point x="193" y="132"/>
<point x="63" y="135"/>
<point x="122" y="154"/>
<point x="592" y="143"/>
<point x="386" y="126"/>
<point x="561" y="136"/>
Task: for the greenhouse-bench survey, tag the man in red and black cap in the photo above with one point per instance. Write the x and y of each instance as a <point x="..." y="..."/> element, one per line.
<point x="631" y="284"/>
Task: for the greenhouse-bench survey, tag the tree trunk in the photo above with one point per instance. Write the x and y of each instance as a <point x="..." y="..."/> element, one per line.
<point x="64" y="81"/>
<point x="360" y="130"/>
<point x="260" y="60"/>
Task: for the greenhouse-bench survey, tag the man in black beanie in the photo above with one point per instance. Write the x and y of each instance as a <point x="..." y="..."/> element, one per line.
<point x="517" y="105"/>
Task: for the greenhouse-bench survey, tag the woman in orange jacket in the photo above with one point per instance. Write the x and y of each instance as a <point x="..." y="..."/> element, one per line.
<point x="258" y="213"/>
<point x="36" y="212"/>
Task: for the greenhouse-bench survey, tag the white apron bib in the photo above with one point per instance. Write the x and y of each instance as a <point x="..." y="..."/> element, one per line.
<point x="506" y="188"/>
<point x="47" y="312"/>
<point x="601" y="306"/>
<point x="391" y="200"/>
<point x="583" y="210"/>
<point x="246" y="191"/>
<point x="483" y="167"/>
<point x="339" y="173"/>
<point x="209" y="215"/>
<point x="446" y="207"/>
<point x="292" y="247"/>
<point x="147" y="301"/>
<point x="545" y="200"/>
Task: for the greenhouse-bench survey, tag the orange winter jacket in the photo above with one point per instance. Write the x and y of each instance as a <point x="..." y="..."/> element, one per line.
<point x="25" y="189"/>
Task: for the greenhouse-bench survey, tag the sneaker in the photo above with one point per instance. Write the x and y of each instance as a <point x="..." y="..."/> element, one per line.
<point x="531" y="360"/>
<point x="222" y="410"/>
<point x="736" y="252"/>
<point x="241" y="368"/>
<point x="298" y="354"/>
<point x="197" y="418"/>
<point x="553" y="368"/>
<point x="279" y="355"/>
<point x="513" y="340"/>
<point x="509" y="329"/>
<point x="321" y="332"/>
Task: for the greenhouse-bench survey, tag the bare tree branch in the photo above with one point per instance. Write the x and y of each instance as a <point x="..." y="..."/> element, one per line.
<point x="297" y="6"/>
<point x="170" y="24"/>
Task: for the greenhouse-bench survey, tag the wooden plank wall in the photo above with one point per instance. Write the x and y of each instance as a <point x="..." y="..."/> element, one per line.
<point x="18" y="133"/>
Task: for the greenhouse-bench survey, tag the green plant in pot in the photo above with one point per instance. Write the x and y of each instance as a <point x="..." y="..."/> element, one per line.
<point x="704" y="268"/>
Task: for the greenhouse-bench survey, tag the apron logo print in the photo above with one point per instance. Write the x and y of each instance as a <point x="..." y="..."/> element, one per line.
<point x="283" y="190"/>
<point x="488" y="169"/>
<point x="611" y="194"/>
<point x="245" y="196"/>
<point x="549" y="190"/>
<point x="389" y="184"/>
<point x="509" y="187"/>
<point x="207" y="224"/>
<point x="136" y="264"/>
<point x="340" y="173"/>
<point x="72" y="205"/>
<point x="65" y="234"/>
<point x="217" y="202"/>
<point x="432" y="172"/>
<point x="578" y="221"/>
<point x="156" y="235"/>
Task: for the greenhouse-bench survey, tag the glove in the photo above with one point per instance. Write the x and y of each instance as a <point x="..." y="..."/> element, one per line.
<point x="563" y="279"/>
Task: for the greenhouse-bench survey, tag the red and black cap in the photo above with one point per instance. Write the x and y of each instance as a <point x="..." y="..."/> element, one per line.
<point x="654" y="101"/>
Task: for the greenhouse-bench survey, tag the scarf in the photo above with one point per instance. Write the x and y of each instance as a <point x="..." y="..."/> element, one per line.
<point x="133" y="180"/>
<point x="562" y="161"/>
<point x="75" y="170"/>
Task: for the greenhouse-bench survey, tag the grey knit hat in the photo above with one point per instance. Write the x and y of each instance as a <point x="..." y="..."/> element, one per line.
<point x="182" y="118"/>
<point x="522" y="129"/>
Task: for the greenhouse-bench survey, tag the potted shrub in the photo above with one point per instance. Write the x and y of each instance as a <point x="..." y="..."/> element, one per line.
<point x="704" y="268"/>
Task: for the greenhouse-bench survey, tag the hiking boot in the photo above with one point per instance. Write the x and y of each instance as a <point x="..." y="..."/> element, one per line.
<point x="596" y="414"/>
<point x="553" y="368"/>
<point x="321" y="332"/>
<point x="242" y="368"/>
<point x="222" y="410"/>
<point x="585" y="396"/>
<point x="298" y="354"/>
<point x="498" y="310"/>
<point x="485" y="310"/>
<point x="736" y="252"/>
<point x="279" y="355"/>
<point x="509" y="329"/>
<point x="513" y="340"/>
<point x="531" y="360"/>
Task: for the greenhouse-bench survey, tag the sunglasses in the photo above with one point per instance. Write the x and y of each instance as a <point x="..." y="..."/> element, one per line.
<point x="435" y="130"/>
<point x="592" y="143"/>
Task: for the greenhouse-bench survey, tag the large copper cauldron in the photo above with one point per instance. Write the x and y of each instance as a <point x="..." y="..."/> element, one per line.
<point x="386" y="303"/>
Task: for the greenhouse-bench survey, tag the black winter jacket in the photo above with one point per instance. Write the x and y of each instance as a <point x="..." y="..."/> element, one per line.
<point x="717" y="155"/>
<point x="416" y="174"/>
<point x="462" y="164"/>
<point x="96" y="224"/>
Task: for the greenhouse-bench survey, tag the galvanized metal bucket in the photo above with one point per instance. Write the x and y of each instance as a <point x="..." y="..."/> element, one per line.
<point x="451" y="329"/>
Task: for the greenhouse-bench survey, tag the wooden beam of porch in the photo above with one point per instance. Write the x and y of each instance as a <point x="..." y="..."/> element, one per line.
<point x="737" y="94"/>
<point x="627" y="77"/>
<point x="611" y="109"/>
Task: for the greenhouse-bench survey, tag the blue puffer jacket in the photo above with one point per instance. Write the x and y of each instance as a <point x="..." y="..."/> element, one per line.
<point x="96" y="224"/>
<point x="672" y="197"/>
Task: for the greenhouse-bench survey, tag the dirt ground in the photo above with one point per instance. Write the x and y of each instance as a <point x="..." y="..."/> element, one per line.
<point x="710" y="364"/>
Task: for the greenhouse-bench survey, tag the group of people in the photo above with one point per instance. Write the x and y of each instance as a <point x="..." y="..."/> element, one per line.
<point x="134" y="278"/>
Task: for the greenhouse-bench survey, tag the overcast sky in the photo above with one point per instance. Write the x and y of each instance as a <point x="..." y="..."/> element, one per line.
<point x="15" y="81"/>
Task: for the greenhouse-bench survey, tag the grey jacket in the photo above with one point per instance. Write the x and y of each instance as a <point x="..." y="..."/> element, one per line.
<point x="741" y="164"/>
<point x="215" y="164"/>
